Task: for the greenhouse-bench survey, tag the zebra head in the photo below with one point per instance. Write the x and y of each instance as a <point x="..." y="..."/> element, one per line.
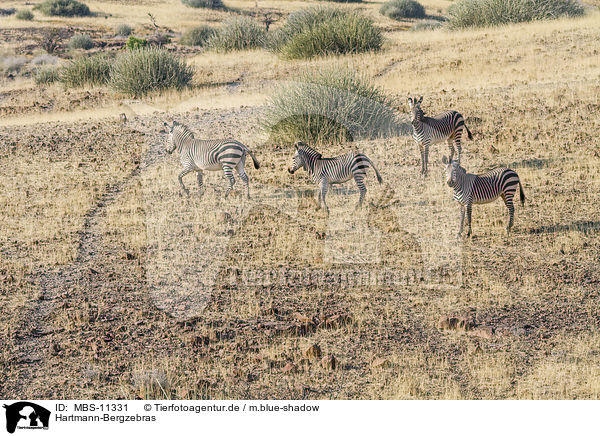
<point x="299" y="157"/>
<point x="454" y="171"/>
<point x="171" y="145"/>
<point x="416" y="113"/>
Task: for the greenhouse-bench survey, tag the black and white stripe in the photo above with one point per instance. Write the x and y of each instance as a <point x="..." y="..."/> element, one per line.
<point x="472" y="189"/>
<point x="213" y="155"/>
<point x="432" y="130"/>
<point x="333" y="170"/>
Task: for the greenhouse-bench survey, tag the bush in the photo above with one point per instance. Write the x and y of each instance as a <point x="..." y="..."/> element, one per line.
<point x="426" y="25"/>
<point x="63" y="8"/>
<point x="210" y="4"/>
<point x="198" y="36"/>
<point x="12" y="64"/>
<point x="400" y="9"/>
<point x="330" y="106"/>
<point x="24" y="14"/>
<point x="123" y="30"/>
<point x="81" y="41"/>
<point x="138" y="72"/>
<point x="5" y="12"/>
<point x="86" y="70"/>
<point x="482" y="13"/>
<point x="134" y="43"/>
<point x="51" y="39"/>
<point x="238" y="33"/>
<point x="319" y="31"/>
<point x="47" y="75"/>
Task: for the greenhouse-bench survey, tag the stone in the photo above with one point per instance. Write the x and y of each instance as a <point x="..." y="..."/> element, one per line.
<point x="380" y="362"/>
<point x="313" y="352"/>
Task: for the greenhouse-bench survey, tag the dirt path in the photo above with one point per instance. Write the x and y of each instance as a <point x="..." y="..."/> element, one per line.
<point x="34" y="347"/>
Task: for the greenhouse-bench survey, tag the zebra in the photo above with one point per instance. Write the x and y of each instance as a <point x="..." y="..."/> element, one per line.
<point x="447" y="126"/>
<point x="472" y="189"/>
<point x="333" y="170"/>
<point x="212" y="155"/>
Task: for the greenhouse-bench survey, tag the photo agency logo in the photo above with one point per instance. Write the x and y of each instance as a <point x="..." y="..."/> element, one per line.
<point x="25" y="415"/>
<point x="206" y="248"/>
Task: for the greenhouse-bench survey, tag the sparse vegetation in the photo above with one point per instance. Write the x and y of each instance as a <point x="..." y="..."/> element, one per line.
<point x="402" y="9"/>
<point x="328" y="107"/>
<point x="198" y="36"/>
<point x="24" y="14"/>
<point x="134" y="43"/>
<point x="209" y="4"/>
<point x="81" y="41"/>
<point x="139" y="72"/>
<point x="238" y="33"/>
<point x="47" y="75"/>
<point x="482" y="13"/>
<point x="320" y="31"/>
<point x="123" y="30"/>
<point x="86" y="71"/>
<point x="426" y="25"/>
<point x="63" y="8"/>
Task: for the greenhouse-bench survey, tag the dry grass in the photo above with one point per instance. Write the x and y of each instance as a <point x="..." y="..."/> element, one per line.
<point x="165" y="315"/>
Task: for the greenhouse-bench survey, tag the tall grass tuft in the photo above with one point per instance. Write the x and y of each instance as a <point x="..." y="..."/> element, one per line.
<point x="322" y="30"/>
<point x="123" y="30"/>
<point x="63" y="8"/>
<point x="238" y="33"/>
<point x="209" y="4"/>
<point x="149" y="69"/>
<point x="198" y="36"/>
<point x="81" y="41"/>
<point x="86" y="71"/>
<point x="47" y="75"/>
<point x="24" y="14"/>
<point x="483" y="13"/>
<point x="330" y="106"/>
<point x="401" y="9"/>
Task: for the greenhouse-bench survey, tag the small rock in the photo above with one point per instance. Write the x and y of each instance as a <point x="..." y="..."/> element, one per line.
<point x="484" y="332"/>
<point x="313" y="352"/>
<point x="380" y="362"/>
<point x="289" y="368"/>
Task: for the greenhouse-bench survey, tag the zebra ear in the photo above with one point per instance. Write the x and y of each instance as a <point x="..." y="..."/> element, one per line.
<point x="445" y="160"/>
<point x="420" y="100"/>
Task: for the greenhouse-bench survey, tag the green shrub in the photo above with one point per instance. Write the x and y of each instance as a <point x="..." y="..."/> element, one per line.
<point x="198" y="36"/>
<point x="47" y="75"/>
<point x="81" y="41"/>
<point x="238" y="33"/>
<point x="86" y="70"/>
<point x="426" y="25"/>
<point x="401" y="9"/>
<point x="135" y="43"/>
<point x="149" y="69"/>
<point x="210" y="4"/>
<point x="319" y="31"/>
<point x="483" y="13"/>
<point x="329" y="106"/>
<point x="24" y="14"/>
<point x="63" y="8"/>
<point x="123" y="30"/>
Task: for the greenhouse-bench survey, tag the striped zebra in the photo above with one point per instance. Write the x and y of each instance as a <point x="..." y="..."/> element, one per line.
<point x="472" y="189"/>
<point x="447" y="126"/>
<point x="212" y="155"/>
<point x="333" y="170"/>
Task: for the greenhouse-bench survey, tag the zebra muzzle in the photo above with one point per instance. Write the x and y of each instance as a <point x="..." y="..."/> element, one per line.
<point x="291" y="171"/>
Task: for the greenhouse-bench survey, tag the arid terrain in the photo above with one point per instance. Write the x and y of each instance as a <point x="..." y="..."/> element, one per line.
<point x="113" y="284"/>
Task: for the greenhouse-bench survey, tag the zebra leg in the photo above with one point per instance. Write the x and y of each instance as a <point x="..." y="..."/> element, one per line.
<point x="229" y="174"/>
<point x="422" y="148"/>
<point x="450" y="143"/>
<point x="360" y="182"/>
<point x="180" y="177"/>
<point x="200" y="181"/>
<point x="324" y="193"/>
<point x="462" y="221"/>
<point x="458" y="147"/>
<point x="469" y="206"/>
<point x="425" y="160"/>
<point x="508" y="201"/>
<point x="242" y="172"/>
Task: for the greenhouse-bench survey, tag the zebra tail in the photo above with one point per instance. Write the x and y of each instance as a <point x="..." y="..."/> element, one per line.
<point x="254" y="160"/>
<point x="469" y="132"/>
<point x="379" y="179"/>
<point x="521" y="194"/>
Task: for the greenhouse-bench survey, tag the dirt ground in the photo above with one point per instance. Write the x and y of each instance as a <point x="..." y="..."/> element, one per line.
<point x="115" y="285"/>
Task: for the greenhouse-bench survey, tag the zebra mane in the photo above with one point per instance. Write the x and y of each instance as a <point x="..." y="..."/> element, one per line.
<point x="310" y="151"/>
<point x="184" y="129"/>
